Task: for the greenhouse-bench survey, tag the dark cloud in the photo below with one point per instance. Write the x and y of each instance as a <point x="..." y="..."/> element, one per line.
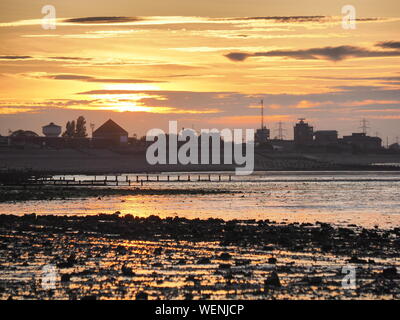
<point x="340" y="101"/>
<point x="238" y="56"/>
<point x="112" y="92"/>
<point x="67" y="77"/>
<point x="358" y="88"/>
<point x="70" y="58"/>
<point x="389" y="44"/>
<point x="15" y="57"/>
<point x="182" y="99"/>
<point x="368" y="19"/>
<point x="70" y="102"/>
<point x="234" y="103"/>
<point x="284" y="18"/>
<point x="94" y="79"/>
<point x="95" y="20"/>
<point x="383" y="80"/>
<point x="355" y="78"/>
<point x="124" y="19"/>
<point x="326" y="53"/>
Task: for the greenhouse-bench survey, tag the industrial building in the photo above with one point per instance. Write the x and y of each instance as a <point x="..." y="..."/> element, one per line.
<point x="363" y="142"/>
<point x="326" y="137"/>
<point x="303" y="133"/>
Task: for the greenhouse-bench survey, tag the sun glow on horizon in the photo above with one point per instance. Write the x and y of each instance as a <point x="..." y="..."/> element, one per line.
<point x="131" y="86"/>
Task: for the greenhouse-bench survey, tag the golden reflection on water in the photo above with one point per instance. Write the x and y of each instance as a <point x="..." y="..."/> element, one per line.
<point x="362" y="202"/>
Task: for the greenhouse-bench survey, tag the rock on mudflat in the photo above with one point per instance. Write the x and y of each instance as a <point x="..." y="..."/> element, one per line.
<point x="189" y="296"/>
<point x="91" y="297"/>
<point x="225" y="256"/>
<point x="204" y="261"/>
<point x="181" y="262"/>
<point x="242" y="262"/>
<point x="272" y="260"/>
<point x="69" y="263"/>
<point x="142" y="296"/>
<point x="127" y="272"/>
<point x="273" y="280"/>
<point x="313" y="281"/>
<point x="390" y="273"/>
<point x="121" y="250"/>
<point x="224" y="266"/>
<point x="65" y="277"/>
<point x="357" y="260"/>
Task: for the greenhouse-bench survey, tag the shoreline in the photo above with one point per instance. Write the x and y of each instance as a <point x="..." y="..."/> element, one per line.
<point x="191" y="170"/>
<point x="51" y="192"/>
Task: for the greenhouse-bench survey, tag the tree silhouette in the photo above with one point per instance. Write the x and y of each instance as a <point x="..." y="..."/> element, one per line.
<point x="69" y="129"/>
<point x="80" y="131"/>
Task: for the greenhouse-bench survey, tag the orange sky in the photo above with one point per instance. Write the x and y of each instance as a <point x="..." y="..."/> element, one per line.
<point x="204" y="63"/>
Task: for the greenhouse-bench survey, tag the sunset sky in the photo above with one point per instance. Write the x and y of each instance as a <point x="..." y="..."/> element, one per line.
<point x="204" y="63"/>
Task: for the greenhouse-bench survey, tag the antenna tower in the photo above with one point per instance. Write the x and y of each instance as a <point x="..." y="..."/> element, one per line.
<point x="280" y="130"/>
<point x="364" y="126"/>
<point x="262" y="114"/>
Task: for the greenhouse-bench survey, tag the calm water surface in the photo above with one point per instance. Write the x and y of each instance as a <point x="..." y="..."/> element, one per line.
<point x="366" y="198"/>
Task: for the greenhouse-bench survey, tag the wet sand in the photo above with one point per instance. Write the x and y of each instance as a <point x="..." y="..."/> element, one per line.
<point x="28" y="193"/>
<point x="126" y="257"/>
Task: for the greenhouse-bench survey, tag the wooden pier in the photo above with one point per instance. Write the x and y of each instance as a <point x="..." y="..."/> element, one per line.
<point x="127" y="180"/>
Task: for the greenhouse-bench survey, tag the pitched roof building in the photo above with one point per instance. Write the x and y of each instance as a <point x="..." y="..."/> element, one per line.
<point x="112" y="132"/>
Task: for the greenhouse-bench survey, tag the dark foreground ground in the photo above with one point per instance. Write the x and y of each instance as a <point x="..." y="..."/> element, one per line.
<point x="113" y="257"/>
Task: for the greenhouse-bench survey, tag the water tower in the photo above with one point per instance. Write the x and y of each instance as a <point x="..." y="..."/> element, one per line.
<point x="52" y="130"/>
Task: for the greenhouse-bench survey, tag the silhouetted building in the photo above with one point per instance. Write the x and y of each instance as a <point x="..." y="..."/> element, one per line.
<point x="51" y="130"/>
<point x="23" y="134"/>
<point x="363" y="142"/>
<point x="110" y="133"/>
<point x="394" y="147"/>
<point x="326" y="137"/>
<point x="3" y="140"/>
<point x="303" y="133"/>
<point x="262" y="135"/>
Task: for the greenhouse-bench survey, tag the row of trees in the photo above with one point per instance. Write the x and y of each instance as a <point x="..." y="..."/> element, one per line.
<point x="75" y="129"/>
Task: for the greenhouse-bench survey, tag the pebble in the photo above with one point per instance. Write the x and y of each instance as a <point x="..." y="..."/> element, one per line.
<point x="142" y="296"/>
<point x="272" y="280"/>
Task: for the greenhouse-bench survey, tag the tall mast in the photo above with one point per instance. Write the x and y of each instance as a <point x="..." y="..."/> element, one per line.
<point x="262" y="114"/>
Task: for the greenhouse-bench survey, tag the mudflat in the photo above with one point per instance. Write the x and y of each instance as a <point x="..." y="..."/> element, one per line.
<point x="126" y="257"/>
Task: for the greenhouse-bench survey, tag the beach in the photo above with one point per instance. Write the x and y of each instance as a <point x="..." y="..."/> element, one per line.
<point x="281" y="235"/>
<point x="113" y="257"/>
